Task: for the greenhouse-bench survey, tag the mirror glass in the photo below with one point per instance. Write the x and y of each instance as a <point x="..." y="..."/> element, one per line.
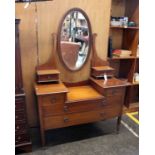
<point x="74" y="41"/>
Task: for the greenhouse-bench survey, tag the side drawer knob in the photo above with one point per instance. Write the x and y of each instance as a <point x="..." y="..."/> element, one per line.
<point x="66" y="119"/>
<point x="103" y="103"/>
<point x="102" y="114"/>
<point x="114" y="92"/>
<point x="53" y="100"/>
<point x="65" y="108"/>
<point x="19" y="138"/>
<point x="17" y="127"/>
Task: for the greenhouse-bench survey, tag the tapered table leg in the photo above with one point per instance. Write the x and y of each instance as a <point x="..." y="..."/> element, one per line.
<point x="118" y="124"/>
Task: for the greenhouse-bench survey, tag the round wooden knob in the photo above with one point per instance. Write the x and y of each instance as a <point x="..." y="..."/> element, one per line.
<point x="65" y="108"/>
<point x="53" y="100"/>
<point x="102" y="114"/>
<point x="19" y="138"/>
<point x="103" y="103"/>
<point x="114" y="92"/>
<point x="17" y="127"/>
<point x="16" y="117"/>
<point x="66" y="119"/>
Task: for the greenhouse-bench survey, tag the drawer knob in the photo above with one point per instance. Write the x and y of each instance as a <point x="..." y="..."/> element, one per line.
<point x="114" y="92"/>
<point x="66" y="119"/>
<point x="17" y="127"/>
<point x="53" y="100"/>
<point x="102" y="114"/>
<point x="19" y="138"/>
<point x="48" y="77"/>
<point x="65" y="108"/>
<point x="103" y="103"/>
<point x="16" y="117"/>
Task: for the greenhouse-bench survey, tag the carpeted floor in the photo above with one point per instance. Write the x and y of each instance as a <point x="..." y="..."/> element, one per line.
<point x="90" y="139"/>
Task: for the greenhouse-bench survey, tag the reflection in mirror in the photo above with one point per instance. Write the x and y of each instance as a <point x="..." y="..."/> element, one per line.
<point x="74" y="42"/>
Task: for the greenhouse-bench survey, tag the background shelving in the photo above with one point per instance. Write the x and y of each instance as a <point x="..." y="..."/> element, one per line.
<point x="128" y="39"/>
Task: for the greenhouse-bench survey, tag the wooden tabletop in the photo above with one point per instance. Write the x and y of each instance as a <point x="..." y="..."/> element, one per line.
<point x="45" y="89"/>
<point x="79" y="93"/>
<point x="100" y="68"/>
<point x="113" y="82"/>
<point x="47" y="71"/>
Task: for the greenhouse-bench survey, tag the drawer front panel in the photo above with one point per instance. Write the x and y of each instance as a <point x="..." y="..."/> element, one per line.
<point x="19" y="106"/>
<point x="115" y="100"/>
<point x="46" y="78"/>
<point x="20" y="128"/>
<point x="101" y="73"/>
<point x="114" y="91"/>
<point x="81" y="118"/>
<point x="22" y="138"/>
<point x="49" y="100"/>
<point x="74" y="107"/>
<point x="19" y="103"/>
<point x="115" y="96"/>
<point x="85" y="106"/>
<point x="19" y="116"/>
<point x="55" y="109"/>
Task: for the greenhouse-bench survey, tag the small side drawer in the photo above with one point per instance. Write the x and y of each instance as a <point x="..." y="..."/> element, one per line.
<point x="53" y="99"/>
<point x="115" y="100"/>
<point x="114" y="91"/>
<point x="19" y="103"/>
<point x="20" y="128"/>
<point x="19" y="116"/>
<point x="48" y="78"/>
<point x="53" y="109"/>
<point x="22" y="138"/>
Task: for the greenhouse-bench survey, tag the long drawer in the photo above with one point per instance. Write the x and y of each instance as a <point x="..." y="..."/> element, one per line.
<point x="20" y="116"/>
<point x="52" y="122"/>
<point x="19" y="103"/>
<point x="73" y="107"/>
<point x="20" y="127"/>
<point x="22" y="138"/>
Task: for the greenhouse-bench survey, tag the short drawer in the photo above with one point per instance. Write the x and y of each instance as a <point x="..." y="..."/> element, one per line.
<point x="115" y="100"/>
<point x="80" y="118"/>
<point x="53" y="109"/>
<point x="73" y="107"/>
<point x="19" y="115"/>
<point x="114" y="91"/>
<point x="48" y="100"/>
<point x="48" y="78"/>
<point x="20" y="128"/>
<point x="19" y="103"/>
<point x="22" y="138"/>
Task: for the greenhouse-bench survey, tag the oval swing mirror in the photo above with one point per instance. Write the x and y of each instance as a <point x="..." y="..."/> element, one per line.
<point x="74" y="39"/>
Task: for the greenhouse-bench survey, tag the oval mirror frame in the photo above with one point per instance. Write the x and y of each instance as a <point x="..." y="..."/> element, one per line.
<point x="59" y="39"/>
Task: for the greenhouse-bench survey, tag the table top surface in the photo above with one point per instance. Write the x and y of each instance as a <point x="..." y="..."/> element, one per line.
<point x="86" y="92"/>
<point x="110" y="83"/>
<point x="100" y="68"/>
<point x="44" y="89"/>
<point x="47" y="71"/>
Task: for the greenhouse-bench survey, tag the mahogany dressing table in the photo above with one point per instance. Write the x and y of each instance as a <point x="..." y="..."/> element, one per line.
<point x="63" y="104"/>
